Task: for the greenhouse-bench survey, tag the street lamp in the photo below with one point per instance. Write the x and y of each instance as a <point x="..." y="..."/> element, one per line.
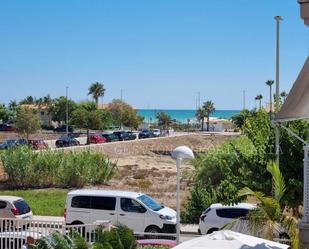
<point x="277" y="134"/>
<point x="180" y="153"/>
<point x="67" y="110"/>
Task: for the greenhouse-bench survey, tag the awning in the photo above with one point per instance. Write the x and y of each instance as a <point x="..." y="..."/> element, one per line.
<point x="296" y="105"/>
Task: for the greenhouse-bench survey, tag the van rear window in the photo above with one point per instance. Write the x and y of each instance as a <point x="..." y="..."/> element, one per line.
<point x="81" y="202"/>
<point x="94" y="202"/>
<point x="22" y="206"/>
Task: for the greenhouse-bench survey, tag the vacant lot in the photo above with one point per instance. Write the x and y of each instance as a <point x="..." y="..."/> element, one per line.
<point x="144" y="166"/>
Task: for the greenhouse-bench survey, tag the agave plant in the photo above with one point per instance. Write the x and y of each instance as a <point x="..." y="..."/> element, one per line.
<point x="269" y="219"/>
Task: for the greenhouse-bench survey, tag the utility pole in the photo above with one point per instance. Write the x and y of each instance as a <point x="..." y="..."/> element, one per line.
<point x="67" y="110"/>
<point x="244" y="99"/>
<point x="277" y="133"/>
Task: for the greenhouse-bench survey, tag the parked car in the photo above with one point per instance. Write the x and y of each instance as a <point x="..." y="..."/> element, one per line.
<point x="145" y="134"/>
<point x="122" y="135"/>
<point x="8" y="144"/>
<point x="156" y="132"/>
<point x="110" y="137"/>
<point x="12" y="207"/>
<point x="218" y="215"/>
<point x="63" y="128"/>
<point x="131" y="135"/>
<point x="21" y="142"/>
<point x="138" y="211"/>
<point x="66" y="141"/>
<point x="38" y="144"/>
<point x="6" y="127"/>
<point x="97" y="139"/>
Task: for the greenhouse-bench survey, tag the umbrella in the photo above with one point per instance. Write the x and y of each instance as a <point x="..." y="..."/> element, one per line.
<point x="231" y="240"/>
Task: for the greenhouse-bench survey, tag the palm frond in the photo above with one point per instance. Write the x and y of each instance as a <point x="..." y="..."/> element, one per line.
<point x="279" y="186"/>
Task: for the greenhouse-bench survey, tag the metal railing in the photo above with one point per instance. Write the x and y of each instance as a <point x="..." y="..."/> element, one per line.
<point x="15" y="232"/>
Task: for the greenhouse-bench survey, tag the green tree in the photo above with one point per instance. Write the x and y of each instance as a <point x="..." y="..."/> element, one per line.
<point x="124" y="114"/>
<point x="240" y="118"/>
<point x="164" y="120"/>
<point x="209" y="108"/>
<point x="96" y="90"/>
<point x="269" y="214"/>
<point x="200" y="116"/>
<point x="283" y="95"/>
<point x="4" y="113"/>
<point x="270" y="83"/>
<point x="82" y="118"/>
<point x="58" y="109"/>
<point x="29" y="100"/>
<point x="27" y="122"/>
<point x="259" y="97"/>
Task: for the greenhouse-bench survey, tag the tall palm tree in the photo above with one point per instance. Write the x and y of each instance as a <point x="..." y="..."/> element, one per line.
<point x="268" y="219"/>
<point x="283" y="95"/>
<point x="200" y="116"/>
<point x="259" y="97"/>
<point x="96" y="90"/>
<point x="209" y="108"/>
<point x="270" y="83"/>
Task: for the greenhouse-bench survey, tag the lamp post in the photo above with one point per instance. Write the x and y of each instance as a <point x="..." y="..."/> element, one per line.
<point x="67" y="111"/>
<point x="277" y="134"/>
<point x="180" y="153"/>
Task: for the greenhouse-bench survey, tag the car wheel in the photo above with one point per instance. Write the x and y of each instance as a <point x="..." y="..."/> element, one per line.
<point x="153" y="229"/>
<point x="212" y="230"/>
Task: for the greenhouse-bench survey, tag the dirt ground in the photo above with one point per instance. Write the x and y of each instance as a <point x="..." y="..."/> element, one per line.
<point x="146" y="165"/>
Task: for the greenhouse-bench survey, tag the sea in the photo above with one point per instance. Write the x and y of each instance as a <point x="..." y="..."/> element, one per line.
<point x="183" y="116"/>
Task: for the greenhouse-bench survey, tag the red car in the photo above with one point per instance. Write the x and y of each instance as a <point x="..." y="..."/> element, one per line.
<point x="6" y="127"/>
<point x="38" y="144"/>
<point x="97" y="139"/>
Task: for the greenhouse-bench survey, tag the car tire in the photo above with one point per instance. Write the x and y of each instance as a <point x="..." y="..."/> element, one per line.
<point x="211" y="230"/>
<point x="153" y="229"/>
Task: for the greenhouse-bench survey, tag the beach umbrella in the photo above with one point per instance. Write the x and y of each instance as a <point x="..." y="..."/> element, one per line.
<point x="227" y="239"/>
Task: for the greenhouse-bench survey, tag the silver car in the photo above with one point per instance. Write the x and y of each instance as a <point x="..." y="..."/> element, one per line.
<point x="13" y="207"/>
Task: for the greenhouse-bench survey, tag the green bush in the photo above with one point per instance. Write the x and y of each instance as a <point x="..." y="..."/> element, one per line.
<point x="26" y="167"/>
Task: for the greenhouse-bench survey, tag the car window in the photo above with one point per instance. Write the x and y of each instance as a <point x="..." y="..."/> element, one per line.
<point x="2" y="204"/>
<point x="22" y="206"/>
<point x="132" y="206"/>
<point x="81" y="202"/>
<point x="232" y="213"/>
<point x="103" y="203"/>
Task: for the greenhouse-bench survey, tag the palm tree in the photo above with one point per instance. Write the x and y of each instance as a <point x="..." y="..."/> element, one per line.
<point x="96" y="90"/>
<point x="200" y="116"/>
<point x="269" y="218"/>
<point x="283" y="95"/>
<point x="270" y="83"/>
<point x="209" y="108"/>
<point x="164" y="120"/>
<point x="259" y="98"/>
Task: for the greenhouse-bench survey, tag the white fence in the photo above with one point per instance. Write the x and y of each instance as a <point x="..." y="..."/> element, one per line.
<point x="15" y="233"/>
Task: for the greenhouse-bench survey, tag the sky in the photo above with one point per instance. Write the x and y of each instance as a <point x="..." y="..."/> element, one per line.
<point x="161" y="53"/>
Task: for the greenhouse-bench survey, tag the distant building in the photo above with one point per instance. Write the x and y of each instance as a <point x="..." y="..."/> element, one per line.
<point x="42" y="111"/>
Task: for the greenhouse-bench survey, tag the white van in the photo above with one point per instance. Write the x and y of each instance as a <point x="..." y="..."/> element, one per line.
<point x="136" y="210"/>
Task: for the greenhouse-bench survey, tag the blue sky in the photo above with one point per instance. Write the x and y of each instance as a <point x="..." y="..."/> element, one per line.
<point x="161" y="53"/>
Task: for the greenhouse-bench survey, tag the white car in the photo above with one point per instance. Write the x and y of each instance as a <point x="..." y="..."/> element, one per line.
<point x="136" y="210"/>
<point x="156" y="132"/>
<point x="12" y="207"/>
<point x="218" y="215"/>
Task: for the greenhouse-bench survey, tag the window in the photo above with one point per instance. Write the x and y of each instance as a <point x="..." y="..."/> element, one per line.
<point x="130" y="205"/>
<point x="2" y="204"/>
<point x="81" y="202"/>
<point x="42" y="113"/>
<point x="104" y="203"/>
<point x="232" y="213"/>
<point x="22" y="206"/>
<point x="149" y="202"/>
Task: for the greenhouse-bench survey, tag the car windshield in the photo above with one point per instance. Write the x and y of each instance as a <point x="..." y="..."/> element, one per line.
<point x="149" y="202"/>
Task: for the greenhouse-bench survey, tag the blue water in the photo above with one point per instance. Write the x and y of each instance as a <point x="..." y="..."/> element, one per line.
<point x="183" y="115"/>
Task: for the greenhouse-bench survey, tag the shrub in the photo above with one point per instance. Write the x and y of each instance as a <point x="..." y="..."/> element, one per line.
<point x="26" y="167"/>
<point x="47" y="127"/>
